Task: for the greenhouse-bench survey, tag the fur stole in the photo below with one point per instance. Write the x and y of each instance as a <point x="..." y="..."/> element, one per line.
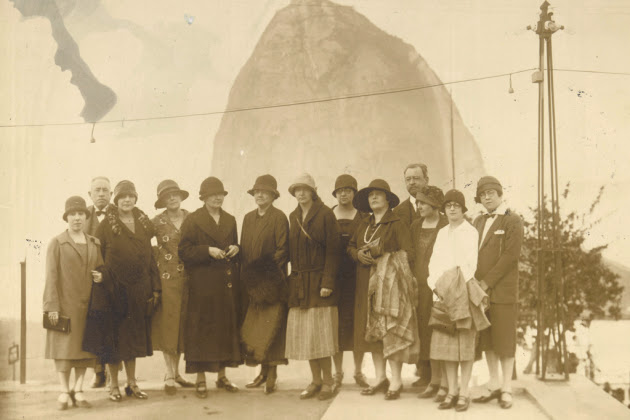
<point x="139" y="215"/>
<point x="265" y="282"/>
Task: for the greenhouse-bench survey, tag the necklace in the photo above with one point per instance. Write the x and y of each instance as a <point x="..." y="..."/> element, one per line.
<point x="365" y="239"/>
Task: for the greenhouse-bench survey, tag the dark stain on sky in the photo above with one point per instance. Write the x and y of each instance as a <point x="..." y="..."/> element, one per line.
<point x="99" y="99"/>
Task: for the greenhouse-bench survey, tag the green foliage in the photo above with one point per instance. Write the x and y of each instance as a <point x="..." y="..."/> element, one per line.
<point x="590" y="287"/>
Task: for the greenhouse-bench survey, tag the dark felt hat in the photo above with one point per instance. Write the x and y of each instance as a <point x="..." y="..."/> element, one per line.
<point x="345" y="181"/>
<point x="455" y="196"/>
<point x="360" y="200"/>
<point x="488" y="183"/>
<point x="166" y="187"/>
<point x="431" y="195"/>
<point x="74" y="204"/>
<point x="124" y="187"/>
<point x="265" y="183"/>
<point x="210" y="186"/>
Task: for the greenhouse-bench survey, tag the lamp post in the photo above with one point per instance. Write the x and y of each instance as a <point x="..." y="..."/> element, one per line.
<point x="551" y="308"/>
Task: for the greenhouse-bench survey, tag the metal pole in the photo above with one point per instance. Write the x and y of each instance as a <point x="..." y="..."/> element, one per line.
<point x="23" y="323"/>
<point x="540" y="360"/>
<point x="452" y="140"/>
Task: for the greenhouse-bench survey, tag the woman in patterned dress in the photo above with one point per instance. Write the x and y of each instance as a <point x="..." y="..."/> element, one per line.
<point x="168" y="320"/>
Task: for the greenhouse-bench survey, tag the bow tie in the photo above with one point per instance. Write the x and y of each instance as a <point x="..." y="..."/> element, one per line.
<point x="489" y="215"/>
<point x="99" y="213"/>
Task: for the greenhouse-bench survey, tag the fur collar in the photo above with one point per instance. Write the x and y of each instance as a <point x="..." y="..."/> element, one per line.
<point x="139" y="215"/>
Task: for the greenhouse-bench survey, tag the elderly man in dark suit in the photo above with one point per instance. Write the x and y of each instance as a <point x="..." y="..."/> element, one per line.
<point x="500" y="239"/>
<point x="100" y="193"/>
<point x="416" y="178"/>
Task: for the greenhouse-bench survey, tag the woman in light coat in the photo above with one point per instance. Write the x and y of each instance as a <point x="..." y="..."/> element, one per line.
<point x="71" y="257"/>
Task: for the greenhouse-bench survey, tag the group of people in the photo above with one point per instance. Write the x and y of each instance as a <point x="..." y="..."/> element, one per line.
<point x="412" y="282"/>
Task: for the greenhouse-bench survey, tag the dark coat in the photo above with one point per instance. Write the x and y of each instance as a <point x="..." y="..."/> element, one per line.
<point x="214" y="308"/>
<point x="92" y="222"/>
<point x="499" y="254"/>
<point x="406" y="211"/>
<point x="118" y="325"/>
<point x="267" y="235"/>
<point x="67" y="291"/>
<point x="421" y="272"/>
<point x="315" y="261"/>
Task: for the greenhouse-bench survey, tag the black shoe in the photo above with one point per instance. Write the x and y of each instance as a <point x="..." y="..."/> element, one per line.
<point x="462" y="403"/>
<point x="430" y="391"/>
<point x="383" y="386"/>
<point x="393" y="395"/>
<point x="310" y="391"/>
<point x="258" y="381"/>
<point x="270" y="385"/>
<point x="135" y="391"/>
<point x="326" y="393"/>
<point x="449" y="402"/>
<point x="420" y="383"/>
<point x="496" y="394"/>
<point x="99" y="380"/>
<point x="183" y="382"/>
<point x="224" y="382"/>
<point x="200" y="389"/>
<point x="440" y="397"/>
<point x="360" y="380"/>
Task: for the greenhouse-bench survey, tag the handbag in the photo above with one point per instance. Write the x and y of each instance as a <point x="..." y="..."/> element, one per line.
<point x="151" y="306"/>
<point x="375" y="247"/>
<point x="63" y="324"/>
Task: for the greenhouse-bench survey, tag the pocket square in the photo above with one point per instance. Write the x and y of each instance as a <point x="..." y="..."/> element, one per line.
<point x="499" y="232"/>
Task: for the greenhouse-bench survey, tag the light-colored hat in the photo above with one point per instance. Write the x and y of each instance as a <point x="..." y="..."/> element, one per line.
<point x="303" y="180"/>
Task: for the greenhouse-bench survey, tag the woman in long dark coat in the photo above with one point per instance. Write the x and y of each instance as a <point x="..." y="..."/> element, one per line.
<point x="312" y="324"/>
<point x="348" y="219"/>
<point x="392" y="235"/>
<point x="209" y="249"/>
<point x="424" y="231"/>
<point x="169" y="320"/>
<point x="70" y="259"/>
<point x="131" y="280"/>
<point x="264" y="256"/>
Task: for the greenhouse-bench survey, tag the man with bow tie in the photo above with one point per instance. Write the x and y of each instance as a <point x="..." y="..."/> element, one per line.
<point x="100" y="193"/>
<point x="416" y="178"/>
<point x="500" y="239"/>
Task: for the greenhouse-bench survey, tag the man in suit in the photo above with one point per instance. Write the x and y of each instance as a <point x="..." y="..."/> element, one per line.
<point x="416" y="178"/>
<point x="500" y="239"/>
<point x="100" y="193"/>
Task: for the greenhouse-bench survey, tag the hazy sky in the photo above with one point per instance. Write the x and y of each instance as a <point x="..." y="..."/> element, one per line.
<point x="160" y="64"/>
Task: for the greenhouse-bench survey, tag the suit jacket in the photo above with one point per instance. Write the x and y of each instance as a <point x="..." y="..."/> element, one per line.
<point x="92" y="222"/>
<point x="406" y="212"/>
<point x="499" y="254"/>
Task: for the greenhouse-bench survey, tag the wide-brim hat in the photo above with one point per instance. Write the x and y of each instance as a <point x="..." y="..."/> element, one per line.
<point x="455" y="196"/>
<point x="124" y="187"/>
<point x="303" y="180"/>
<point x="265" y="183"/>
<point x="345" y="181"/>
<point x="488" y="183"/>
<point x="166" y="187"/>
<point x="431" y="195"/>
<point x="211" y="186"/>
<point x="74" y="204"/>
<point x="360" y="200"/>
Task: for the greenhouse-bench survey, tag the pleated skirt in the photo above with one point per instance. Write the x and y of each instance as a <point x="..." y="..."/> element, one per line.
<point x="312" y="333"/>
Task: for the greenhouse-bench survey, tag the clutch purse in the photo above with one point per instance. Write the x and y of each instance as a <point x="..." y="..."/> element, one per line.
<point x="63" y="324"/>
<point x="151" y="306"/>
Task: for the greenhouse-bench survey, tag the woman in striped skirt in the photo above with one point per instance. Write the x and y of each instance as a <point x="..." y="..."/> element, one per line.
<point x="312" y="324"/>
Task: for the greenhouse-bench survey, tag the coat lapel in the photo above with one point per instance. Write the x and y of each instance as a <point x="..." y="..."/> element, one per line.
<point x="207" y="224"/>
<point x="495" y="225"/>
<point x="311" y="213"/>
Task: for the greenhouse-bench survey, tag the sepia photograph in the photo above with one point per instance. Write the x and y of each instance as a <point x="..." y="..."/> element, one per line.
<point x="315" y="209"/>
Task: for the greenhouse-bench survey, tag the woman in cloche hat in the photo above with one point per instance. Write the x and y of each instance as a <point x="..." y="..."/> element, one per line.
<point x="314" y="250"/>
<point x="132" y="287"/>
<point x="264" y="256"/>
<point x="383" y="232"/>
<point x="167" y="333"/>
<point x="209" y="249"/>
<point x="71" y="258"/>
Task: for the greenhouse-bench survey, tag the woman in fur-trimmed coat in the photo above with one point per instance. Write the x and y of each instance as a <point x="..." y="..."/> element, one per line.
<point x="264" y="256"/>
